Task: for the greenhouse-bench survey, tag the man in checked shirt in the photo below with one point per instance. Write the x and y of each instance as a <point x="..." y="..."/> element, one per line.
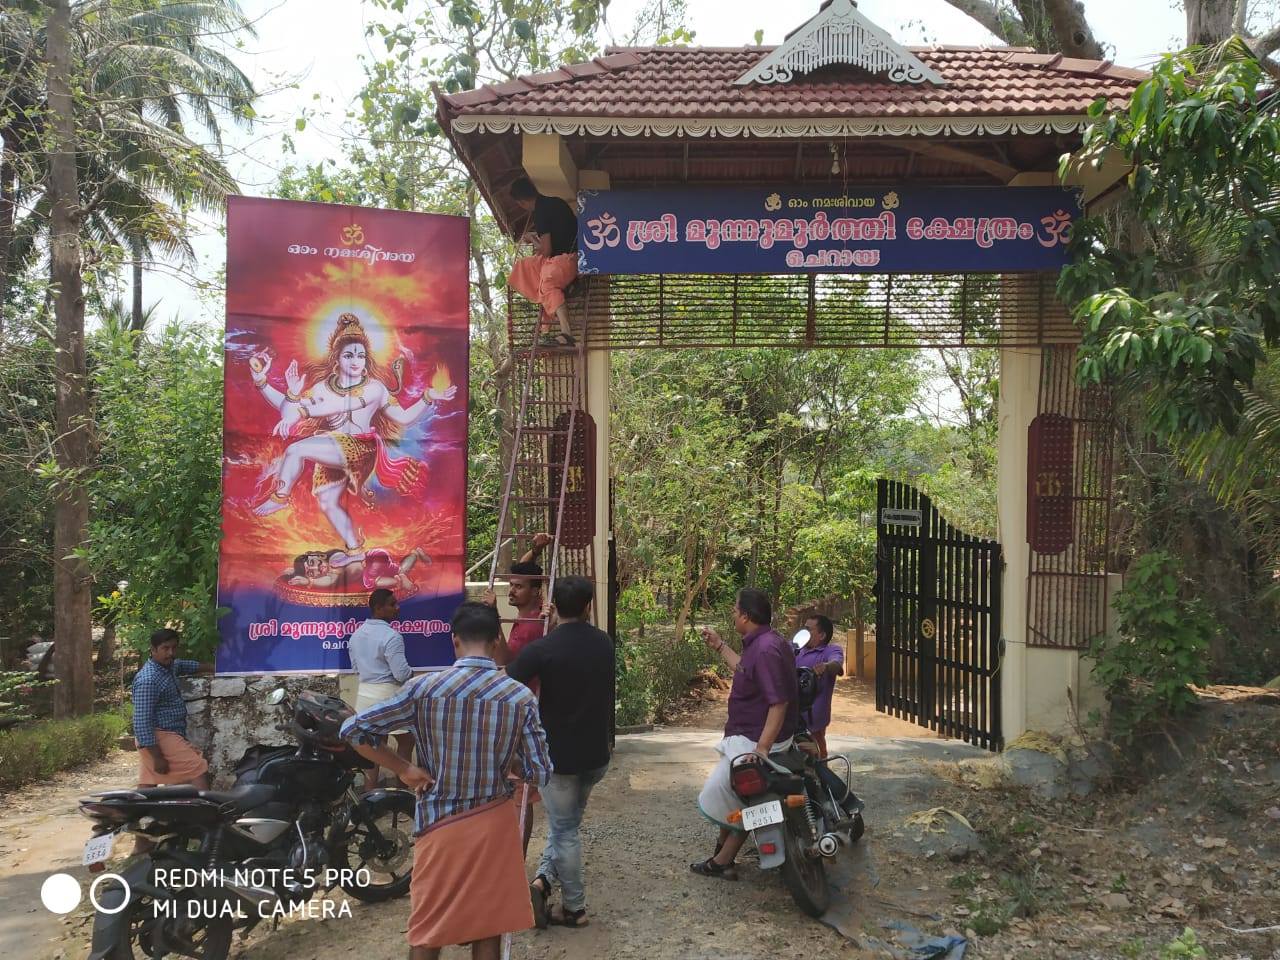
<point x="160" y="718"/>
<point x="469" y="721"/>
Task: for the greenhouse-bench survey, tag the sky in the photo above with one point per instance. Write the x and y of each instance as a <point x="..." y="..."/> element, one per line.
<point x="307" y="57"/>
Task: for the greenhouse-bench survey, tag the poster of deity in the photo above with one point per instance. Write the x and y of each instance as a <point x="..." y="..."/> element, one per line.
<point x="344" y="431"/>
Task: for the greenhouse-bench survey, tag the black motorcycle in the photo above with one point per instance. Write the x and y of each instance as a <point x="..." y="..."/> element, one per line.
<point x="217" y="861"/>
<point x="798" y="810"/>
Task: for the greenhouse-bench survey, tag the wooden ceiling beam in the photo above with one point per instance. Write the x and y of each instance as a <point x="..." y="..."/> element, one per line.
<point x="941" y="151"/>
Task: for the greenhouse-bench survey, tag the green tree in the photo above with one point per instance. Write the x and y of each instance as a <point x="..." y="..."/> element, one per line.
<point x="1184" y="315"/>
<point x="157" y="488"/>
<point x="1176" y="289"/>
<point x="96" y="160"/>
<point x="73" y="656"/>
<point x="26" y="442"/>
<point x="1242" y="468"/>
<point x="1062" y="26"/>
<point x="146" y="72"/>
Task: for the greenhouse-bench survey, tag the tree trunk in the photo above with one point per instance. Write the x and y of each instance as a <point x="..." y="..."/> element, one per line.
<point x="1072" y="29"/>
<point x="1209" y="21"/>
<point x="8" y="213"/>
<point x="709" y="562"/>
<point x="137" y="321"/>
<point x="107" y="649"/>
<point x="73" y="642"/>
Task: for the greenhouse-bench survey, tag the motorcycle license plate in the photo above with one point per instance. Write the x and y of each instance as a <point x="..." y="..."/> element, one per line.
<point x="762" y="815"/>
<point x="98" y="849"/>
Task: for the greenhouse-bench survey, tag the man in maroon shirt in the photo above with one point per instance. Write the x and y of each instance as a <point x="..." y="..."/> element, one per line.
<point x="526" y="591"/>
<point x="764" y="713"/>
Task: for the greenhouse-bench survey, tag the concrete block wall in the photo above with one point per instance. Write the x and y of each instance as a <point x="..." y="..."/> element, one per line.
<point x="227" y="715"/>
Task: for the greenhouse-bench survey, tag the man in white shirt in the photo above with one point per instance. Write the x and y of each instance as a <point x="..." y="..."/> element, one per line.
<point x="377" y="655"/>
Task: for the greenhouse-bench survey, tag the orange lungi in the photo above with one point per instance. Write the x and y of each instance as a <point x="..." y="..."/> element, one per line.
<point x="185" y="762"/>
<point x="468" y="878"/>
<point x="543" y="279"/>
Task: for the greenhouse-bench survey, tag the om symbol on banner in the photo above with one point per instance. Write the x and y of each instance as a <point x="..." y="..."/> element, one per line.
<point x="602" y="231"/>
<point x="1057" y="229"/>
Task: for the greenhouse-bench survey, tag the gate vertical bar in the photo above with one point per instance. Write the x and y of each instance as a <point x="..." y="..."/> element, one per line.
<point x="928" y="611"/>
<point x="882" y="590"/>
<point x="993" y="648"/>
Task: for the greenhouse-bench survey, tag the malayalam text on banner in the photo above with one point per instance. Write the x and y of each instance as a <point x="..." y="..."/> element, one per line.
<point x="344" y="431"/>
<point x="802" y="230"/>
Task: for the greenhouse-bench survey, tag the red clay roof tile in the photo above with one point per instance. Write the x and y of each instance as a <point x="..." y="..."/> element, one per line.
<point x="686" y="82"/>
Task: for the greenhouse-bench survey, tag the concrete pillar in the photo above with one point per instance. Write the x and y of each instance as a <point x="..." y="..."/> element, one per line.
<point x="598" y="378"/>
<point x="1019" y="381"/>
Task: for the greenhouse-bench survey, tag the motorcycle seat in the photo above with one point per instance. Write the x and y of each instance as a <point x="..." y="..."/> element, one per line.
<point x="793" y="759"/>
<point x="242" y="798"/>
<point x="177" y="791"/>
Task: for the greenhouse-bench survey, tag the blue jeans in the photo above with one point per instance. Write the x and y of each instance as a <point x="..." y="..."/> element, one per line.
<point x="565" y="798"/>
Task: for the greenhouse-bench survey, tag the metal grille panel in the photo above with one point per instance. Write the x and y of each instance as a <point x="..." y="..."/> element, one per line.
<point x="815" y="310"/>
<point x="1067" y="590"/>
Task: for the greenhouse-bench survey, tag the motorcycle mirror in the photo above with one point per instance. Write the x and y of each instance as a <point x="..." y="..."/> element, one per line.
<point x="801" y="637"/>
<point x="276" y="697"/>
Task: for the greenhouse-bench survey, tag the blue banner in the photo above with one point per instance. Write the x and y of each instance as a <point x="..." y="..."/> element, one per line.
<point x="265" y="632"/>
<point x="902" y="229"/>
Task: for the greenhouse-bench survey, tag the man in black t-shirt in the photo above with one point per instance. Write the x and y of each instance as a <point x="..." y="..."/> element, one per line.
<point x="543" y="277"/>
<point x="575" y="665"/>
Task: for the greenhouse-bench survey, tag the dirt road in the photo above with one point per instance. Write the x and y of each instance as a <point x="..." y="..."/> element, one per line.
<point x="1111" y="875"/>
<point x="40" y="834"/>
<point x="642" y="830"/>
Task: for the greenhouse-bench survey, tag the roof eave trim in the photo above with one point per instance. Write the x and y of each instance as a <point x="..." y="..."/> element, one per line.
<point x="794" y="128"/>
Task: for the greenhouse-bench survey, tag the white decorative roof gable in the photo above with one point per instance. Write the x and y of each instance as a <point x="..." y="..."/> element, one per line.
<point x="840" y="34"/>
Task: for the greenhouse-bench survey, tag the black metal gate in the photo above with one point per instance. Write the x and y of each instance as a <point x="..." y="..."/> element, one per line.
<point x="937" y="620"/>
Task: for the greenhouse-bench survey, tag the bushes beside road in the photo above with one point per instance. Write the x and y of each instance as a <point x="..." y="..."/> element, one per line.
<point x="40" y="750"/>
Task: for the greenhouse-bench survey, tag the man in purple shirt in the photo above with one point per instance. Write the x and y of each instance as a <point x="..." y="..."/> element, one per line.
<point x="764" y="713"/>
<point x="825" y="659"/>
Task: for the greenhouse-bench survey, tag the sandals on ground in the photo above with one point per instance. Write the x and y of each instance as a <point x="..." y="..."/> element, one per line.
<point x="709" y="868"/>
<point x="538" y="894"/>
<point x="571" y="918"/>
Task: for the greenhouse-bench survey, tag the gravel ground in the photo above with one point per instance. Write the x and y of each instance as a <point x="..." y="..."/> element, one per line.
<point x="641" y="831"/>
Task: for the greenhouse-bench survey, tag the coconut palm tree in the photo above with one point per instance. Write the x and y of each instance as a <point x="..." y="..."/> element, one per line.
<point x="154" y="80"/>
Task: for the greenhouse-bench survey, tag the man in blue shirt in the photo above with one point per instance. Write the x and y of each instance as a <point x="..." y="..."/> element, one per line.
<point x="377" y="656"/>
<point x="160" y="718"/>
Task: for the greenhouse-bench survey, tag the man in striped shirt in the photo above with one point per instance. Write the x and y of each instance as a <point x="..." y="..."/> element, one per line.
<point x="469" y="721"/>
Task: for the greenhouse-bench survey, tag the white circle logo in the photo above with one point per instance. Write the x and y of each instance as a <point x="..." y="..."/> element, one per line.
<point x="60" y="893"/>
<point x="93" y="893"/>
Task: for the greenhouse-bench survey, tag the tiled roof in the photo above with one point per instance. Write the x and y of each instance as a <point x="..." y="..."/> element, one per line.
<point x="697" y="82"/>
